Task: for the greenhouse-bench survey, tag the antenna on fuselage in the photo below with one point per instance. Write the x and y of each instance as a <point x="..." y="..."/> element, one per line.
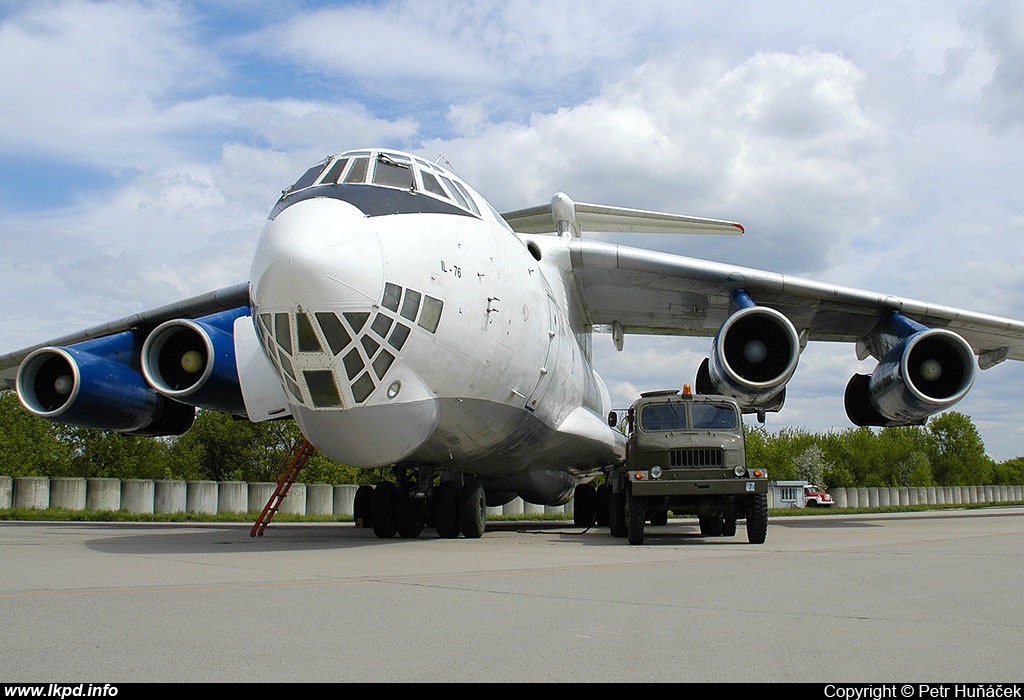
<point x="447" y="163"/>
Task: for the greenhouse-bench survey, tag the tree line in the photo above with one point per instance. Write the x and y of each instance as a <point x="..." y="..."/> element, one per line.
<point x="947" y="451"/>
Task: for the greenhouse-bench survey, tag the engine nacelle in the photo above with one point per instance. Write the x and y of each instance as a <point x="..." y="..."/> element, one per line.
<point x="193" y="361"/>
<point x="89" y="385"/>
<point x="926" y="372"/>
<point x="753" y="356"/>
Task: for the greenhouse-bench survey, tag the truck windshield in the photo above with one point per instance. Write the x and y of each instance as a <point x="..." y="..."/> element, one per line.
<point x="663" y="416"/>
<point x="710" y="416"/>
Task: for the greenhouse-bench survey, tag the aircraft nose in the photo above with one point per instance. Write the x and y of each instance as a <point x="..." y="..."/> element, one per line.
<point x="315" y="252"/>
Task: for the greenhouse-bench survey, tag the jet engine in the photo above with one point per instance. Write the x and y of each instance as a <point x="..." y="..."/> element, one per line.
<point x="92" y="385"/>
<point x="753" y="356"/>
<point x="923" y="371"/>
<point x="193" y="361"/>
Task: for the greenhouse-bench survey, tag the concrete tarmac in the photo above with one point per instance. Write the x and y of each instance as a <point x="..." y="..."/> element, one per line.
<point x="924" y="597"/>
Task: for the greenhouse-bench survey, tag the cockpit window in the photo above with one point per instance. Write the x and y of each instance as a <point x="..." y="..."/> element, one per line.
<point x="357" y="173"/>
<point x="308" y="177"/>
<point x="387" y="169"/>
<point x="334" y="172"/>
<point x="432" y="185"/>
<point x="465" y="194"/>
<point x="393" y="171"/>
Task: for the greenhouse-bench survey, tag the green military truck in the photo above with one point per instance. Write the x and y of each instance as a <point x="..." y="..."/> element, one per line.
<point x="685" y="454"/>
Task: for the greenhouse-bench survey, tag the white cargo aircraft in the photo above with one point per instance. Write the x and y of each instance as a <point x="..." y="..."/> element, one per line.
<point x="404" y="323"/>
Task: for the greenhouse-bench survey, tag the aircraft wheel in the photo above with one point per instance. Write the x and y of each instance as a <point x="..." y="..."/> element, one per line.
<point x="473" y="510"/>
<point x="362" y="506"/>
<point x="445" y="503"/>
<point x="757" y="519"/>
<point x="635" y="517"/>
<point x="384" y="501"/>
<point x="660" y="518"/>
<point x="584" y="506"/>
<point x="408" y="512"/>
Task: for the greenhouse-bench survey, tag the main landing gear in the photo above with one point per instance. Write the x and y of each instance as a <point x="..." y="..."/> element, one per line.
<point x="404" y="509"/>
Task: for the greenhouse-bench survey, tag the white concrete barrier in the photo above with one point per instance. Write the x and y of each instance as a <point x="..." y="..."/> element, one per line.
<point x="233" y="497"/>
<point x="319" y="499"/>
<point x="31" y="492"/>
<point x="169" y="496"/>
<point x="67" y="492"/>
<point x="513" y="507"/>
<point x="295" y="502"/>
<point x="103" y="494"/>
<point x="259" y="493"/>
<point x="137" y="495"/>
<point x="201" y="497"/>
<point x="345" y="498"/>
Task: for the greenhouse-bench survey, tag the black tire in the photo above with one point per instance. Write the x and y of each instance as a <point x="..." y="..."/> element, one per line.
<point x="711" y="526"/>
<point x="728" y="524"/>
<point x="617" y="514"/>
<point x="445" y="504"/>
<point x="384" y="520"/>
<point x="757" y="519"/>
<point x="362" y="506"/>
<point x="603" y="506"/>
<point x="473" y="510"/>
<point x="660" y="518"/>
<point x="635" y="517"/>
<point x="408" y="512"/>
<point x="584" y="507"/>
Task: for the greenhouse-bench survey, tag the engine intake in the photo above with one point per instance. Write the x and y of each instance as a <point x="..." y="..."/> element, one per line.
<point x="927" y="371"/>
<point x="193" y="361"/>
<point x="753" y="356"/>
<point x="91" y="386"/>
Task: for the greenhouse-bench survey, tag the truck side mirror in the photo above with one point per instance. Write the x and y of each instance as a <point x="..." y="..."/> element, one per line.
<point x="613" y="419"/>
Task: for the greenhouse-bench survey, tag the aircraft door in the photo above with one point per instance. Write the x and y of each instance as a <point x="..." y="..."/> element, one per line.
<point x="547" y="370"/>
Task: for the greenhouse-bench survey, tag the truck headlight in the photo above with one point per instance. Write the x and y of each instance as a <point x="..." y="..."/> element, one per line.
<point x="655" y="472"/>
<point x="739" y="470"/>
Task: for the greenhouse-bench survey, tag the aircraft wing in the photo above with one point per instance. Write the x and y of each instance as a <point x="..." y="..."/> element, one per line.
<point x="195" y="307"/>
<point x="647" y="292"/>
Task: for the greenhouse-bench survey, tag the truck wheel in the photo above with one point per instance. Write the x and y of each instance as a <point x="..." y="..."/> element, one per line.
<point x="757" y="519"/>
<point x="728" y="524"/>
<point x="603" y="505"/>
<point x="660" y="518"/>
<point x="635" y="517"/>
<point x="584" y="507"/>
<point x="617" y="514"/>
<point x="711" y="526"/>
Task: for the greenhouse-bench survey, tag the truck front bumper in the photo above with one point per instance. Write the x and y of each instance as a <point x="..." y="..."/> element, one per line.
<point x="695" y="482"/>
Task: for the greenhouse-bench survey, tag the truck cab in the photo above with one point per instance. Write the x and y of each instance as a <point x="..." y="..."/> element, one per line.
<point x="685" y="455"/>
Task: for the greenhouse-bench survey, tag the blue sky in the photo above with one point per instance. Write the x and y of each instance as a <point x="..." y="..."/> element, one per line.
<point x="871" y="144"/>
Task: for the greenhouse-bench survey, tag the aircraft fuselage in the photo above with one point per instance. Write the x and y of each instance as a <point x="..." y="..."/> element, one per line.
<point x="410" y="330"/>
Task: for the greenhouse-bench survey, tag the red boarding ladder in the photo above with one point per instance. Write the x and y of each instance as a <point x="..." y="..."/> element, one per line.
<point x="285" y="477"/>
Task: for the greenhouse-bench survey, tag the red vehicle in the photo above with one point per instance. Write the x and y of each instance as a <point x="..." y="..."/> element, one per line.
<point x="815" y="496"/>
